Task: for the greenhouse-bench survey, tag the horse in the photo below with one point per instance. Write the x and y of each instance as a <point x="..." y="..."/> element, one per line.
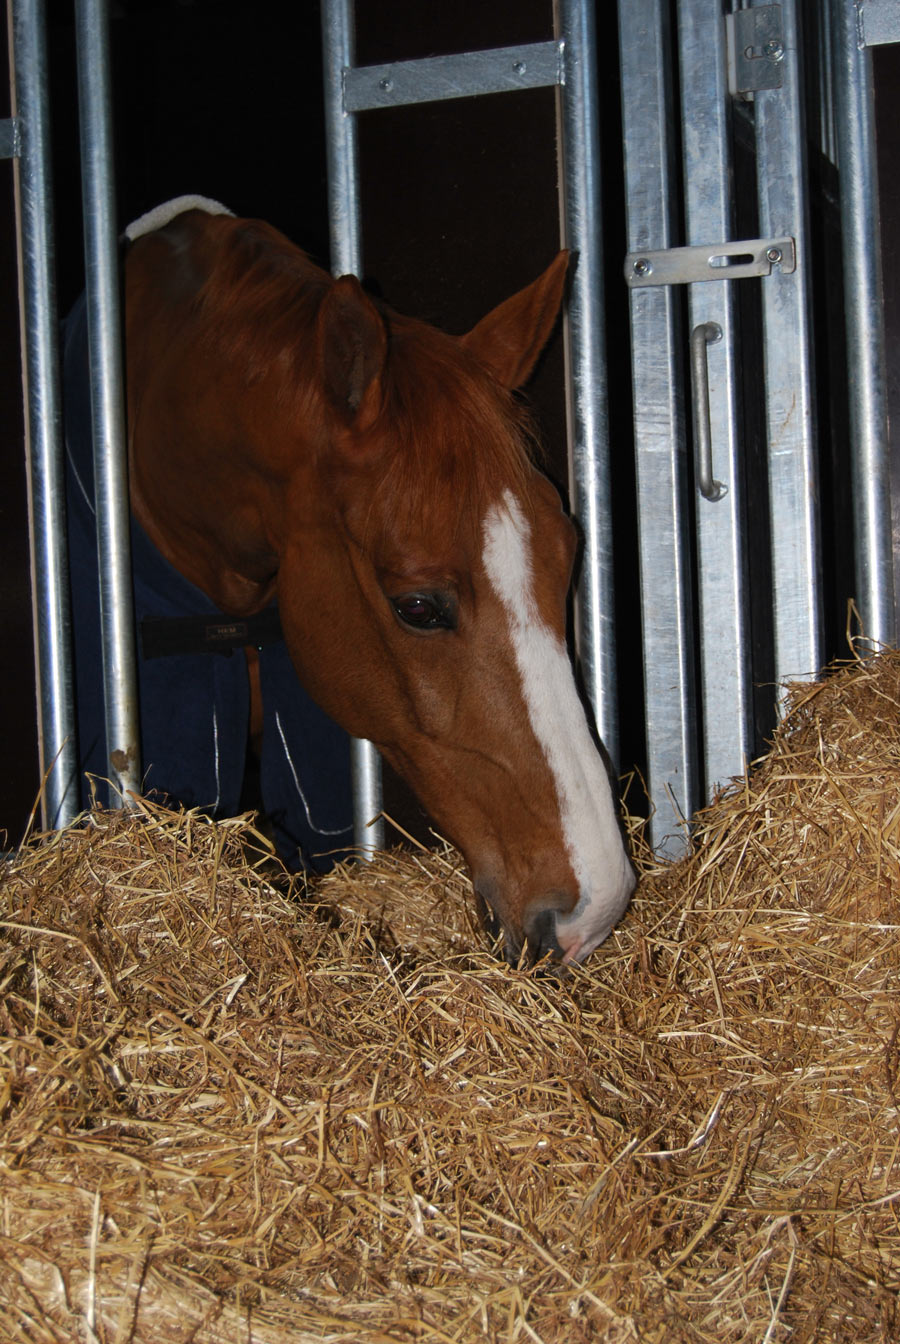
<point x="290" y="440"/>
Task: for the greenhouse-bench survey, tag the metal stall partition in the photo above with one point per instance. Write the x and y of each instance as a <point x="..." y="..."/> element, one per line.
<point x="569" y="64"/>
<point x="742" y="511"/>
<point x="29" y="138"/>
<point x="658" y="360"/>
<point x="101" y="252"/>
<point x="854" y="29"/>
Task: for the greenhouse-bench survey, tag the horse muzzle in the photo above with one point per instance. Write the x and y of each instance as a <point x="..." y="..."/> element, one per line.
<point x="546" y="931"/>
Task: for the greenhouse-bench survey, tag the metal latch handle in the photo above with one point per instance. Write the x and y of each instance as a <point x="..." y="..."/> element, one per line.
<point x="707" y="333"/>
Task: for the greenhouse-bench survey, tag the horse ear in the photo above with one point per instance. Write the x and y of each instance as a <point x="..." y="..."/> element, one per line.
<point x="352" y="344"/>
<point x="509" y="340"/>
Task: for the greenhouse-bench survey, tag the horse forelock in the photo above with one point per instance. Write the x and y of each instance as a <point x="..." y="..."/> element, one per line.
<point x="450" y="440"/>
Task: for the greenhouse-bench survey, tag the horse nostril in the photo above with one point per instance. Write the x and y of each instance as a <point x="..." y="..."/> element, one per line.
<point x="540" y="930"/>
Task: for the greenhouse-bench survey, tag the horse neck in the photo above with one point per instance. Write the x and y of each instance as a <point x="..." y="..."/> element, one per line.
<point x="201" y="491"/>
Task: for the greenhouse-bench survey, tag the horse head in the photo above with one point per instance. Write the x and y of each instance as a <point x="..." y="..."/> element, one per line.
<point x="376" y="472"/>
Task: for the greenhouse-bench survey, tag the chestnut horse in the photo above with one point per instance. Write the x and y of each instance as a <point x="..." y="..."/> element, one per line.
<point x="288" y="438"/>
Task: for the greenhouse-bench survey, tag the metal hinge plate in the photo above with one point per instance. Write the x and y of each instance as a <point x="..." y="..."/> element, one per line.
<point x="713" y="261"/>
<point x="755" y="42"/>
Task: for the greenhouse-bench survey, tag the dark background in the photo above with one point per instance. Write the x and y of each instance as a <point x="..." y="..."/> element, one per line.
<point x="459" y="210"/>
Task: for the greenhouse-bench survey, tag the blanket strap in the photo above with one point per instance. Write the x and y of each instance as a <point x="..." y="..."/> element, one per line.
<point x="163" y="636"/>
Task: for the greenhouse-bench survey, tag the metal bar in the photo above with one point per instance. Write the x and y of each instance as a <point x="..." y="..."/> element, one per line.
<point x="823" y="56"/>
<point x="468" y="75"/>
<point x="585" y="344"/>
<point x="346" y="258"/>
<point x="43" y="418"/>
<point x="724" y="623"/>
<point x="107" y="399"/>
<point x="788" y="361"/>
<point x="660" y="452"/>
<point x="879" y="22"/>
<point x="341" y="140"/>
<point x="10" y="135"/>
<point x="864" y="321"/>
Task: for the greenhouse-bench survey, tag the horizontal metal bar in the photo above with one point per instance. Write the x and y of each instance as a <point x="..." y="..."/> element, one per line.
<point x="501" y="70"/>
<point x="879" y="22"/>
<point x="10" y="138"/>
<point x="710" y="261"/>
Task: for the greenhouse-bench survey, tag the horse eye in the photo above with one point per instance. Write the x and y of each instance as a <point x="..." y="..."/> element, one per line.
<point x="425" y="611"/>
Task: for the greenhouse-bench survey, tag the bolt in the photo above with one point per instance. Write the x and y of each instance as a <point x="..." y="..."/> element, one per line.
<point x="774" y="49"/>
<point x="643" y="266"/>
<point x="773" y="254"/>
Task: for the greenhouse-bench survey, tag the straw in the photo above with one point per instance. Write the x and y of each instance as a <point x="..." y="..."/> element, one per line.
<point x="231" y="1110"/>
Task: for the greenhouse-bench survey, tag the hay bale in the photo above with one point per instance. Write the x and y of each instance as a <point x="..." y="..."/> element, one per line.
<point x="229" y="1114"/>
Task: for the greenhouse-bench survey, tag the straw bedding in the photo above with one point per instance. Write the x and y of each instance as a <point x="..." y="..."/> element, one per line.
<point x="229" y="1114"/>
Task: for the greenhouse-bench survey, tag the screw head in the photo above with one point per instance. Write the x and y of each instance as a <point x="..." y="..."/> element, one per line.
<point x="774" y="49"/>
<point x="519" y="67"/>
<point x="773" y="254"/>
<point x="643" y="266"/>
<point x="385" y="85"/>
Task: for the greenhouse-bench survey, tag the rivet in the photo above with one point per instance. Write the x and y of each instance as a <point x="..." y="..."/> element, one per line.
<point x="385" y="85"/>
<point x="519" y="67"/>
<point x="643" y="266"/>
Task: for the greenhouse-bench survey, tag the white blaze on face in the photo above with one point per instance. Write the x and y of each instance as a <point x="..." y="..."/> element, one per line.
<point x="590" y="828"/>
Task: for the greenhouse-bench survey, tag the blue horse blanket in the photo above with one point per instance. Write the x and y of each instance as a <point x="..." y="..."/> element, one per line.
<point x="194" y="707"/>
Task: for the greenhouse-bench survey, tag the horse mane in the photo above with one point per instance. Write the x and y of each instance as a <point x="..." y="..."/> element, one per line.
<point x="261" y="291"/>
<point x="447" y="431"/>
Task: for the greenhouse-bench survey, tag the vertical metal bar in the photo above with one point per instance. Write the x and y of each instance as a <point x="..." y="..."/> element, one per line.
<point x="661" y="468"/>
<point x="338" y="49"/>
<point x="346" y="258"/>
<point x="43" y="418"/>
<point x="586" y="363"/>
<point x="788" y="361"/>
<point x="723" y="617"/>
<point x="864" y="319"/>
<point x="107" y="399"/>
<point x="827" y="139"/>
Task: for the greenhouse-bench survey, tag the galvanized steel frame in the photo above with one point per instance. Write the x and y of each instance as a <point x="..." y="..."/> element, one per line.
<point x="720" y="697"/>
<point x="723" y="605"/>
<point x="863" y="312"/>
<point x="338" y="44"/>
<point x="789" y="372"/>
<point x="101" y="248"/>
<point x="670" y="618"/>
<point x="29" y="140"/>
<point x="664" y="514"/>
<point x="44" y="434"/>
